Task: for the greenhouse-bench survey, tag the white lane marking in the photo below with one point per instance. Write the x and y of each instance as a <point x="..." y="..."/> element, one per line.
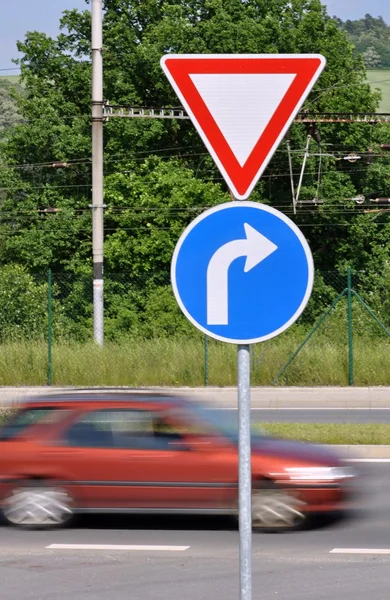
<point x="360" y="551"/>
<point x="116" y="547"/>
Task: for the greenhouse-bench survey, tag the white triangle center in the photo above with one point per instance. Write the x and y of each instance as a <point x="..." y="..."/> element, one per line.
<point x="242" y="105"/>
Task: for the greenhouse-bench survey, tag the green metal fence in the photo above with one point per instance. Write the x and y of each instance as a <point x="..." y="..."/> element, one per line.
<point x="53" y="309"/>
<point x="349" y="292"/>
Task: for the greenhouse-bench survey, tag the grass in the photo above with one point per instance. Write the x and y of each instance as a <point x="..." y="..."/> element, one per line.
<point x="181" y="362"/>
<point x="330" y="433"/>
<point x="380" y="78"/>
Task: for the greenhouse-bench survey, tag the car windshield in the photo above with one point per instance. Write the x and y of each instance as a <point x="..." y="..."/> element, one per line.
<point x="25" y="418"/>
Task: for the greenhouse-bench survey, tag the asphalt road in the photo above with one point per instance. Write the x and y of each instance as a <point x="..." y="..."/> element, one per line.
<point x="315" y="415"/>
<point x="197" y="559"/>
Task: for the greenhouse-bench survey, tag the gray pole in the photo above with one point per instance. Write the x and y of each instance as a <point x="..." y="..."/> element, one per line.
<point x="244" y="472"/>
<point x="305" y="157"/>
<point x="97" y="169"/>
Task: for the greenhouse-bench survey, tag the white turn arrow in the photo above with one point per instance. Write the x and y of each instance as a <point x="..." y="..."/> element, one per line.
<point x="256" y="247"/>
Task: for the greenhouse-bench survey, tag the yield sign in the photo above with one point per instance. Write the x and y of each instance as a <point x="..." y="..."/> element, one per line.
<point x="242" y="105"/>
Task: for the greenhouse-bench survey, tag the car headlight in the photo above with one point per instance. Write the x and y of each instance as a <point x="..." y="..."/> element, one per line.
<point x="319" y="473"/>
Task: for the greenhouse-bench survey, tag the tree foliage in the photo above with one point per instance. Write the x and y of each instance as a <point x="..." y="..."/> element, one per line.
<point x="23" y="303"/>
<point x="158" y="175"/>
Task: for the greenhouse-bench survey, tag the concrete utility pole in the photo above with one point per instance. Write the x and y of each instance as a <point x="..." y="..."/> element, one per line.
<point x="97" y="170"/>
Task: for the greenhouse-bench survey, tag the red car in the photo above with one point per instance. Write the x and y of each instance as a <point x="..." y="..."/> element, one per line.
<point x="150" y="453"/>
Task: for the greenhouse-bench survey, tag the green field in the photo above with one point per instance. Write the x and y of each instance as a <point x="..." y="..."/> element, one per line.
<point x="11" y="78"/>
<point x="380" y="78"/>
<point x="371" y="434"/>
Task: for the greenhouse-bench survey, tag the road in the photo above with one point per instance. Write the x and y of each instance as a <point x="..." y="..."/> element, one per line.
<point x="315" y="415"/>
<point x="197" y="559"/>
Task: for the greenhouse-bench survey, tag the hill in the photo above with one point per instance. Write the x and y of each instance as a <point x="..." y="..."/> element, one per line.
<point x="371" y="38"/>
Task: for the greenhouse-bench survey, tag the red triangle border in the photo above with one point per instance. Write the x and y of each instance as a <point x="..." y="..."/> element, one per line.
<point x="306" y="69"/>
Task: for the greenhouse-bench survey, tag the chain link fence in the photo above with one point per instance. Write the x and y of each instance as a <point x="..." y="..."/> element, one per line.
<point x="54" y="311"/>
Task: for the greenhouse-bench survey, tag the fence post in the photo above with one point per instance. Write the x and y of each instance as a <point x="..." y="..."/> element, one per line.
<point x="206" y="360"/>
<point x="49" y="328"/>
<point x="350" y="326"/>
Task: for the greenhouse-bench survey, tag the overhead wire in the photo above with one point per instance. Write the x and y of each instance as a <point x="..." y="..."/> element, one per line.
<point x="135" y="158"/>
<point x="154" y="229"/>
<point x="142" y="154"/>
<point x="150" y="212"/>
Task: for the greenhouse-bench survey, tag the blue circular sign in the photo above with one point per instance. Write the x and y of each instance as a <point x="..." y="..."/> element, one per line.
<point x="242" y="272"/>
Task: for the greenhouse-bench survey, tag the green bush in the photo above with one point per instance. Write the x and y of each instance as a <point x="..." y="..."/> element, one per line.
<point x="23" y="305"/>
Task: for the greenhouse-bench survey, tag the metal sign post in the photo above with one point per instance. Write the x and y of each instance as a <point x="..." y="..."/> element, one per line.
<point x="97" y="171"/>
<point x="244" y="472"/>
<point x="242" y="272"/>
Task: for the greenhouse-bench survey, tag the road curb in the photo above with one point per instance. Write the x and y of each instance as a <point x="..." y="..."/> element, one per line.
<point x="261" y="397"/>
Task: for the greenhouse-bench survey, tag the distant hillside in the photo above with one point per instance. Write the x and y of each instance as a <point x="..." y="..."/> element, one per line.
<point x="371" y="38"/>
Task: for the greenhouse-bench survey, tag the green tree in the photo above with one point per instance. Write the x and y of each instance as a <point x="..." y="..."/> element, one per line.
<point x="371" y="58"/>
<point x="158" y="175"/>
<point x="23" y="302"/>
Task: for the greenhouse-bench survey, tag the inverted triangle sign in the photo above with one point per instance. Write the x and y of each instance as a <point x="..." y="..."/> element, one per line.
<point x="242" y="105"/>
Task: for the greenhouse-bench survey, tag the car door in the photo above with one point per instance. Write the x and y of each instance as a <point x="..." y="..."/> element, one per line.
<point x="170" y="467"/>
<point x="119" y="459"/>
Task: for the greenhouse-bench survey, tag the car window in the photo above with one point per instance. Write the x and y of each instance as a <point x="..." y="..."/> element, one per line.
<point x="25" y="418"/>
<point x="124" y="428"/>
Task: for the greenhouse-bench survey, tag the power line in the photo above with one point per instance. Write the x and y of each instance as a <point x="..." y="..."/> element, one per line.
<point x="137" y="157"/>
<point x="267" y="176"/>
<point x="141" y="212"/>
<point x="154" y="229"/>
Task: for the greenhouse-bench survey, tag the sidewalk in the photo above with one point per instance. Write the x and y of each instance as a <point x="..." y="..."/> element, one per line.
<point x="261" y="397"/>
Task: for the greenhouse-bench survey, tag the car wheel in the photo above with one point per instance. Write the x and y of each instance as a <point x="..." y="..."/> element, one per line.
<point x="276" y="509"/>
<point x="38" y="506"/>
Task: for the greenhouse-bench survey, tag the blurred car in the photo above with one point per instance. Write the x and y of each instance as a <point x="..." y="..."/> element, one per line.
<point x="150" y="453"/>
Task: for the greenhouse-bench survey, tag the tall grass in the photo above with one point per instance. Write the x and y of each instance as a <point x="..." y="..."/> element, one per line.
<point x="181" y="362"/>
